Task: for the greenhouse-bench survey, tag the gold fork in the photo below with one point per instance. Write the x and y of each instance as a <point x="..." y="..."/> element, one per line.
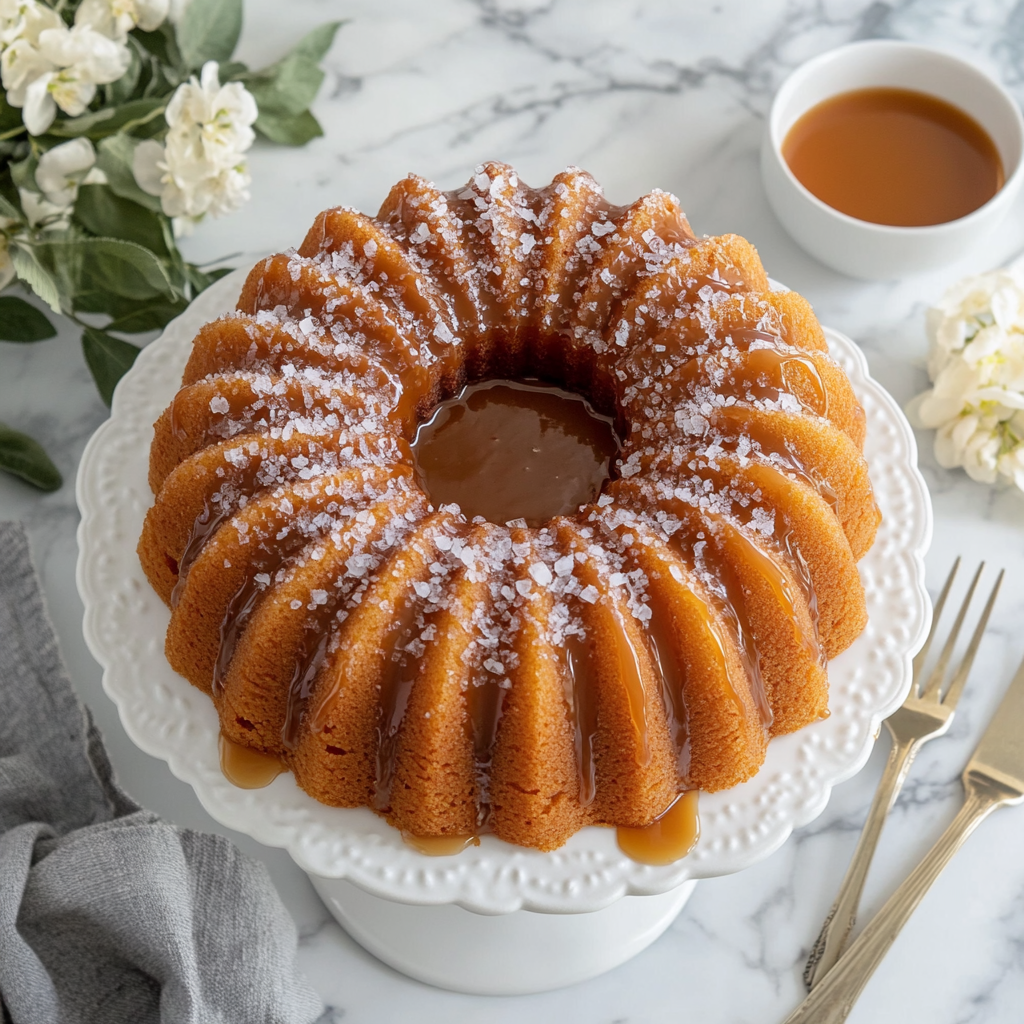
<point x="925" y="715"/>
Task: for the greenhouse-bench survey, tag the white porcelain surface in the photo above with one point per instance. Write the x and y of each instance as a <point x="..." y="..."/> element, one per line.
<point x="879" y="251"/>
<point x="641" y="94"/>
<point x="125" y="622"/>
<point x="500" y="954"/>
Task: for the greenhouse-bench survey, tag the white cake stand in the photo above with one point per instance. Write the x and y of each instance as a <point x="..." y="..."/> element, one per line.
<point x="496" y="918"/>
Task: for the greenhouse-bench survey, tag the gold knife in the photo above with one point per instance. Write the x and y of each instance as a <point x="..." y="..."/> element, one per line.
<point x="994" y="776"/>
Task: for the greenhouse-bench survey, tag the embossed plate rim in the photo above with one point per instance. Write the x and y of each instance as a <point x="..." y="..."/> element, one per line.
<point x="124" y="625"/>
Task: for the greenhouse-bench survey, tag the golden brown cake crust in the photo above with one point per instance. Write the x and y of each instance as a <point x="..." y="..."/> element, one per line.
<point x="462" y="676"/>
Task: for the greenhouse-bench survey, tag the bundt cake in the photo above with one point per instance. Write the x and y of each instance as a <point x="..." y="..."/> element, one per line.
<point x="524" y="677"/>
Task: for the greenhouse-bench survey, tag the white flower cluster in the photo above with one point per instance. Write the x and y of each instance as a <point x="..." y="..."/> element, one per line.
<point x="200" y="168"/>
<point x="45" y="65"/>
<point x="977" y="367"/>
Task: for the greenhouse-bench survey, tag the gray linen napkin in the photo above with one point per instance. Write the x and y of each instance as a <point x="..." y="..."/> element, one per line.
<point x="107" y="913"/>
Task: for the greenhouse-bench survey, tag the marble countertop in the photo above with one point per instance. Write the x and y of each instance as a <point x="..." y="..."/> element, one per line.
<point x="642" y="94"/>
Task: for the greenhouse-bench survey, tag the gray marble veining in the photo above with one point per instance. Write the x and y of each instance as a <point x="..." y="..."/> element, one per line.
<point x="642" y="94"/>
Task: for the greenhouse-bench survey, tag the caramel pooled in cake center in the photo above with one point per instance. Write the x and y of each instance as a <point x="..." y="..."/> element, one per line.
<point x="507" y="450"/>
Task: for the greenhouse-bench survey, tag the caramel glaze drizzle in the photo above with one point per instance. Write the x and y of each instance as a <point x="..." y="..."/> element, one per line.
<point x="269" y="553"/>
<point x="318" y="632"/>
<point x="485" y="701"/>
<point x="704" y="470"/>
<point x="576" y="658"/>
<point x="757" y="375"/>
<point x="731" y="603"/>
<point x="629" y="672"/>
<point x="248" y="768"/>
<point x="440" y="846"/>
<point x="672" y="835"/>
<point x="673" y="691"/>
<point x="395" y="688"/>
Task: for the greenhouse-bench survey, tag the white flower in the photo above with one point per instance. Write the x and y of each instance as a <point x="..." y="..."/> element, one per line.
<point x="46" y="65"/>
<point x="62" y="169"/>
<point x="21" y="24"/>
<point x="58" y="174"/>
<point x="116" y="18"/>
<point x="25" y="19"/>
<point x="200" y="169"/>
<point x="976" y="364"/>
<point x="41" y="213"/>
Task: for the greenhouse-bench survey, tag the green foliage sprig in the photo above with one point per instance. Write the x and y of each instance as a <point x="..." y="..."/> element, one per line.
<point x="87" y="231"/>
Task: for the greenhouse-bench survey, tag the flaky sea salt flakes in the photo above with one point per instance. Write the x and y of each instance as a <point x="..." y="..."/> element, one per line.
<point x="541" y="573"/>
<point x="219" y="405"/>
<point x="295" y="604"/>
<point x="523" y="586"/>
<point x="589" y="594"/>
<point x="564" y="565"/>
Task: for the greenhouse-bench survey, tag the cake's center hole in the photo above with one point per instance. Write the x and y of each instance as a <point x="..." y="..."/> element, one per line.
<point x="510" y="450"/>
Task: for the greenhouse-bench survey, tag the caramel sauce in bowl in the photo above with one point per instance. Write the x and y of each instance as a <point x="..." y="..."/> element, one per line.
<point x="894" y="156"/>
<point x="884" y="158"/>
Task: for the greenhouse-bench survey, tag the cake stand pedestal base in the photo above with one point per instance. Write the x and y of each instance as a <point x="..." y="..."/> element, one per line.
<point x="503" y="955"/>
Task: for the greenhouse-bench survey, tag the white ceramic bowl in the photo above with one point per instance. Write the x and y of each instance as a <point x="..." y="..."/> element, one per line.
<point x="497" y="918"/>
<point x="879" y="251"/>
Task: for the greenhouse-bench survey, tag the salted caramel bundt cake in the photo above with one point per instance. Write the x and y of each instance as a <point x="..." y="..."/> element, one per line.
<point x="532" y="673"/>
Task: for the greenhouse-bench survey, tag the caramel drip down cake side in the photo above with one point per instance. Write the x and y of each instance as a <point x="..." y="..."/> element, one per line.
<point x="457" y="675"/>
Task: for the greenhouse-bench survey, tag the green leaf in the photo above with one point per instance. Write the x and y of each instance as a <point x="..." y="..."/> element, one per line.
<point x="148" y="318"/>
<point x="202" y="279"/>
<point x="10" y="117"/>
<point x="291" y="85"/>
<point x="108" y="358"/>
<point x="82" y="265"/>
<point x="23" y="173"/>
<point x="30" y="270"/>
<point x="98" y="124"/>
<point x="120" y="91"/>
<point x="23" y="457"/>
<point x="104" y="213"/>
<point x="160" y="43"/>
<point x="287" y="88"/>
<point x="101" y="301"/>
<point x="20" y="321"/>
<point x="114" y="157"/>
<point x="232" y="70"/>
<point x="289" y="129"/>
<point x="314" y="45"/>
<point x="209" y="30"/>
<point x="9" y="210"/>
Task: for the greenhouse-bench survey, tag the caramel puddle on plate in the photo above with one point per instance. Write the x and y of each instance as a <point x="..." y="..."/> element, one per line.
<point x="440" y="846"/>
<point x="247" y="768"/>
<point x="670" y="837"/>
